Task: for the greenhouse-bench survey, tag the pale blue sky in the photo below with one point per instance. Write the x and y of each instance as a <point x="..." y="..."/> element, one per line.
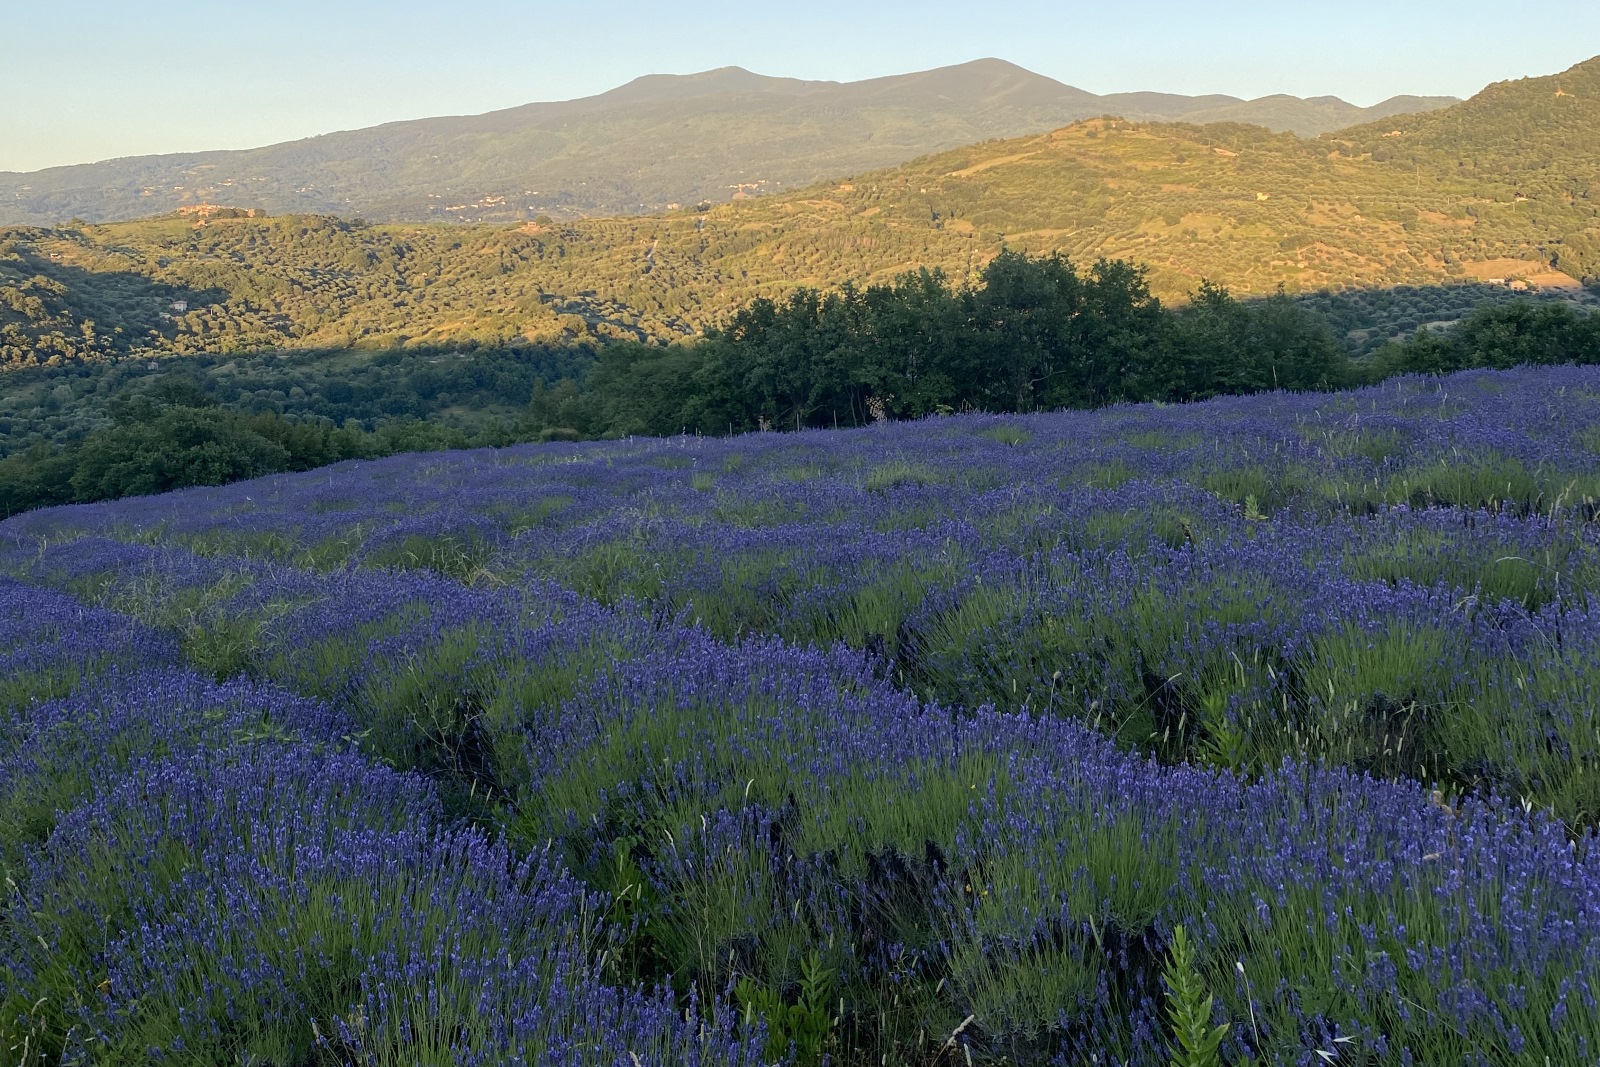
<point x="90" y="79"/>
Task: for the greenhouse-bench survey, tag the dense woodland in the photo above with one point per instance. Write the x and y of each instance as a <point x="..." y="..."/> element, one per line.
<point x="1036" y="334"/>
<point x="100" y="431"/>
<point x="461" y="388"/>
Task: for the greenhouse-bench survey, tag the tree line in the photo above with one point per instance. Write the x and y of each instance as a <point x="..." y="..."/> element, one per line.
<point x="1034" y="334"/>
<point x="1517" y="334"/>
<point x="464" y="386"/>
<point x="176" y="435"/>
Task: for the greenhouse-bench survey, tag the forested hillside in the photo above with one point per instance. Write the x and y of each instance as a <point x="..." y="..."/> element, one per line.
<point x="657" y="141"/>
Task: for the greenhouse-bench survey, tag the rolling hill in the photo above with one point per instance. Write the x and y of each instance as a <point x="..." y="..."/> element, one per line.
<point x="657" y="141"/>
<point x="1503" y="189"/>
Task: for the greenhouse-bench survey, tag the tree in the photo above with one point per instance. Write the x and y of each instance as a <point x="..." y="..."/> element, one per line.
<point x="182" y="446"/>
<point x="1026" y="308"/>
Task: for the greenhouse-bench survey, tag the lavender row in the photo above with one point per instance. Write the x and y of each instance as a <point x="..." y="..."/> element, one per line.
<point x="200" y="871"/>
<point x="750" y="812"/>
<point x="1449" y="646"/>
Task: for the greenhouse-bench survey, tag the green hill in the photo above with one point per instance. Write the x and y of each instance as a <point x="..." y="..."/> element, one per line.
<point x="656" y="141"/>
<point x="1531" y="143"/>
<point x="1502" y="189"/>
<point x="1523" y="127"/>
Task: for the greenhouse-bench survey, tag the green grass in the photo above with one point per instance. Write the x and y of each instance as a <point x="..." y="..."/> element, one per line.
<point x="1486" y="480"/>
<point x="465" y="558"/>
<point x="1007" y="434"/>
<point x="899" y="474"/>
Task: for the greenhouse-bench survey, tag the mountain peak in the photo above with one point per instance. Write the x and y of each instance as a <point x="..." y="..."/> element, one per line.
<point x="993" y="64"/>
<point x="662" y="88"/>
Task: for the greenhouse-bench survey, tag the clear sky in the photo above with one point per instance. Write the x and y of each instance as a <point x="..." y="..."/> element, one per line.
<point x="83" y="80"/>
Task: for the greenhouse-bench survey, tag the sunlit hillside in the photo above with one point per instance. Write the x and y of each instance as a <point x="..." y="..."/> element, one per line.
<point x="1503" y="188"/>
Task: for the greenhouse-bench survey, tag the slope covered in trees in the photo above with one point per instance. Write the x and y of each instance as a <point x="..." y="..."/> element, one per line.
<point x="656" y="141"/>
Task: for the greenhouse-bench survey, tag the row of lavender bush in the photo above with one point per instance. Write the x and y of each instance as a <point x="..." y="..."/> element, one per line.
<point x="917" y="743"/>
<point x="212" y="872"/>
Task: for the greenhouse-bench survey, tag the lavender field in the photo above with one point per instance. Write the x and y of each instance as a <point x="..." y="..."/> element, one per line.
<point x="909" y="745"/>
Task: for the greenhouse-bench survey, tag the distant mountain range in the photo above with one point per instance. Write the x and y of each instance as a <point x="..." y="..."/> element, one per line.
<point x="657" y="142"/>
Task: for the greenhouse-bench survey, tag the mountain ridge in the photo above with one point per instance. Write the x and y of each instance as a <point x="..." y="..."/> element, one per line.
<point x="655" y="141"/>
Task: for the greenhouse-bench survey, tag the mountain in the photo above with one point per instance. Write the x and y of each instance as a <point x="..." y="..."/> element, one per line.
<point x="1503" y="189"/>
<point x="657" y="141"/>
<point x="1279" y="113"/>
